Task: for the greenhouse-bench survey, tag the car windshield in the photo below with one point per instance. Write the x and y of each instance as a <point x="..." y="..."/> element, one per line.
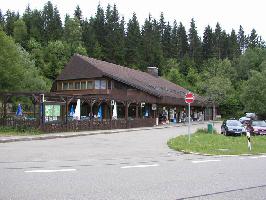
<point x="259" y="123"/>
<point x="233" y="123"/>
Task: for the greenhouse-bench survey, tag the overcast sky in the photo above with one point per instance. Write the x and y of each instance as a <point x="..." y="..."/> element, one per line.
<point x="230" y="13"/>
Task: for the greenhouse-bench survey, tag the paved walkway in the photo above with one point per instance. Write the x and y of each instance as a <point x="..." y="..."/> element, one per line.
<point x="4" y="139"/>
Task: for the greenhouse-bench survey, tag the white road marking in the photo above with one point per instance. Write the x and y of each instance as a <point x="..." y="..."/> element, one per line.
<point x="256" y="157"/>
<point x="50" y="171"/>
<point x="139" y="166"/>
<point x="205" y="161"/>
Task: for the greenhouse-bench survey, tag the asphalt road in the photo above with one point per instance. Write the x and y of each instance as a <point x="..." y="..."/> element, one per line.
<point x="134" y="165"/>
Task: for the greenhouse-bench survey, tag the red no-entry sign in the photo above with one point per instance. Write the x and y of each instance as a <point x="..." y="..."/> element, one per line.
<point x="189" y="98"/>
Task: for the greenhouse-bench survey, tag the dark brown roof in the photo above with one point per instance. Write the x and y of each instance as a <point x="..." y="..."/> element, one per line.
<point x="81" y="67"/>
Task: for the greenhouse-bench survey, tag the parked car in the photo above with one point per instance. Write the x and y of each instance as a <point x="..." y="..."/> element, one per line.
<point x="232" y="127"/>
<point x="259" y="127"/>
<point x="245" y="120"/>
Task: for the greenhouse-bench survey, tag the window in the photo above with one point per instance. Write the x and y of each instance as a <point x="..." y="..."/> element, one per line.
<point x="65" y="86"/>
<point x="83" y="85"/>
<point x="71" y="86"/>
<point x="97" y="84"/>
<point x="89" y="85"/>
<point x="77" y="85"/>
<point x="103" y="85"/>
<point x="100" y="84"/>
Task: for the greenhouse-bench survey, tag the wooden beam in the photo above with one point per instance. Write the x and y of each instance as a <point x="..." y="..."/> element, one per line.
<point x="137" y="110"/>
<point x="126" y="113"/>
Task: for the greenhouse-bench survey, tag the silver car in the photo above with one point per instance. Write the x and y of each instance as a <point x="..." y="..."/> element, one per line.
<point x="232" y="127"/>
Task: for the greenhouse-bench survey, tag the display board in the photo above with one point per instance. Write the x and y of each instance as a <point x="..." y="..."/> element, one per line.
<point x="52" y="110"/>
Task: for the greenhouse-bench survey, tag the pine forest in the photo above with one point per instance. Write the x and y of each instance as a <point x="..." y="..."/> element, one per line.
<point x="228" y="68"/>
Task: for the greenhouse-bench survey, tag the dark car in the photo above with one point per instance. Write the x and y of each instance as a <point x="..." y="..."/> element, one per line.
<point x="232" y="127"/>
<point x="259" y="127"/>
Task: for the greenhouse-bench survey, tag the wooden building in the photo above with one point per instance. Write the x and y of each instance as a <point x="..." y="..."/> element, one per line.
<point x="139" y="95"/>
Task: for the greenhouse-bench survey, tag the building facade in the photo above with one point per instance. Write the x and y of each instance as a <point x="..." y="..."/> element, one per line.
<point x="100" y="85"/>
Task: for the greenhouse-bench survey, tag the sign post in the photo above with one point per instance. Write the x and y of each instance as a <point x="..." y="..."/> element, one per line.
<point x="189" y="98"/>
<point x="248" y="137"/>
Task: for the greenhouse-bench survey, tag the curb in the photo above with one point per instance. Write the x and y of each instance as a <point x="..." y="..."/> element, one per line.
<point x="85" y="133"/>
<point x="203" y="154"/>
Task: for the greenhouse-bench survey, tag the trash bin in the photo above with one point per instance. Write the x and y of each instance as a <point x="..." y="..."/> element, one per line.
<point x="210" y="127"/>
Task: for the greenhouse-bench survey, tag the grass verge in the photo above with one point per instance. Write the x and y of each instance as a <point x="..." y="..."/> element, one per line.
<point x="217" y="144"/>
<point x="19" y="131"/>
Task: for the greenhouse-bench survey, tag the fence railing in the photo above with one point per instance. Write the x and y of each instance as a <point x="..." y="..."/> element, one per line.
<point x="82" y="125"/>
<point x="19" y="122"/>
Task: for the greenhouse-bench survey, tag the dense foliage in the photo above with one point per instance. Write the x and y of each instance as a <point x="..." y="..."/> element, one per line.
<point x="228" y="68"/>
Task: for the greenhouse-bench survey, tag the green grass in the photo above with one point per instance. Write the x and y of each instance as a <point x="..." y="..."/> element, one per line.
<point x="20" y="131"/>
<point x="218" y="144"/>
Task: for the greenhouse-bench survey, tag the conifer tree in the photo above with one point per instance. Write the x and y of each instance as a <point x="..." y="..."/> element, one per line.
<point x="26" y="17"/>
<point x="89" y="37"/>
<point x="36" y="25"/>
<point x="166" y="41"/>
<point x="52" y="24"/>
<point x="157" y="47"/>
<point x="194" y="43"/>
<point x="11" y="17"/>
<point x="162" y="25"/>
<point x="207" y="43"/>
<point x="146" y="43"/>
<point x="241" y="38"/>
<point x="2" y="20"/>
<point x="98" y="25"/>
<point x="253" y="39"/>
<point x="174" y="41"/>
<point x="151" y="47"/>
<point x="183" y="46"/>
<point x="133" y="42"/>
<point x="78" y="14"/>
<point x="115" y="37"/>
<point x="233" y="48"/>
<point x="57" y="25"/>
<point x="47" y="17"/>
<point x="224" y="45"/>
<point x="217" y="41"/>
